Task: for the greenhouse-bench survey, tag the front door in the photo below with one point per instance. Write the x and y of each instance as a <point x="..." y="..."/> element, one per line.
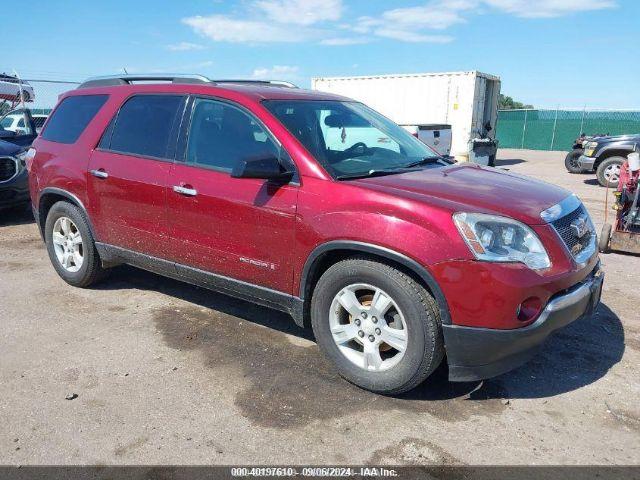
<point x="238" y="228"/>
<point x="128" y="174"/>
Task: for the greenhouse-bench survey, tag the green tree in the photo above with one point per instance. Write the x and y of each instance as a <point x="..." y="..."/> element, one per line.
<point x="507" y="103"/>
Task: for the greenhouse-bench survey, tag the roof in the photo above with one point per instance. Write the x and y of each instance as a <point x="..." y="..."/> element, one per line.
<point x="266" y="92"/>
<point x="192" y="84"/>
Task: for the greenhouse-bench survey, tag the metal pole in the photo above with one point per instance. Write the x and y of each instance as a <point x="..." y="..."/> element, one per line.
<point x="524" y="128"/>
<point x="582" y="121"/>
<point x="553" y="135"/>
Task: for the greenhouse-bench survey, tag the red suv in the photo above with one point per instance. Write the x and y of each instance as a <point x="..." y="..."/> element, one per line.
<point x="316" y="205"/>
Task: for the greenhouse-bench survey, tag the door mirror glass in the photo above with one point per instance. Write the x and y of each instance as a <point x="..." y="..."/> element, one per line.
<point x="267" y="167"/>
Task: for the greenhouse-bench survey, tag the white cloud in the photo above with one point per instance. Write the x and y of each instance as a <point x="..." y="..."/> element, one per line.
<point x="277" y="72"/>
<point x="184" y="46"/>
<point x="221" y="28"/>
<point x="412" y="37"/>
<point x="340" y="41"/>
<point x="548" y="8"/>
<point x="301" y="12"/>
<point x="409" y="24"/>
<point x="270" y="21"/>
<point x="431" y="16"/>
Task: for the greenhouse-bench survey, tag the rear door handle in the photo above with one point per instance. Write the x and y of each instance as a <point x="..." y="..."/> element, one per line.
<point x="99" y="173"/>
<point x="189" y="192"/>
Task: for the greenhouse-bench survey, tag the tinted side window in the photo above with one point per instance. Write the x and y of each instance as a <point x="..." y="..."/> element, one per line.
<point x="221" y="135"/>
<point x="105" y="140"/>
<point x="144" y="124"/>
<point x="71" y="117"/>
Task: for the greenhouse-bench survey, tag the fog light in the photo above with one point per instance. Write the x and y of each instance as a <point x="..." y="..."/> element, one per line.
<point x="529" y="309"/>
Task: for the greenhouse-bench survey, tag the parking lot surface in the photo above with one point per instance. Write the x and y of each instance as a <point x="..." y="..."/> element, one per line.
<point x="166" y="373"/>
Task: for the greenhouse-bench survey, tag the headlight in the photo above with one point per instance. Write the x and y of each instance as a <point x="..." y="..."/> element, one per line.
<point x="500" y="239"/>
<point x="590" y="148"/>
<point x="21" y="160"/>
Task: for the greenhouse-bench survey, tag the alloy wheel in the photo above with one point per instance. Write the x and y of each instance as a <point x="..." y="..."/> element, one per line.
<point x="67" y="243"/>
<point x="612" y="173"/>
<point x="368" y="327"/>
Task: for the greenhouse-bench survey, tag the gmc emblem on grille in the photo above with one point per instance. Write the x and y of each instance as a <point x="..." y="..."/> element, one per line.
<point x="579" y="227"/>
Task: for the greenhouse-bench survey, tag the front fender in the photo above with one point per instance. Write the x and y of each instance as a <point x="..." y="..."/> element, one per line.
<point x="622" y="148"/>
<point x="379" y="251"/>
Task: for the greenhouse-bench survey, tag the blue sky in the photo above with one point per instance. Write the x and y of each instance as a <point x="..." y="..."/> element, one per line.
<point x="548" y="52"/>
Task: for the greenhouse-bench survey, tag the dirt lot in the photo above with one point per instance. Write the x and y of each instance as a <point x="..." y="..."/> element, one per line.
<point x="168" y="373"/>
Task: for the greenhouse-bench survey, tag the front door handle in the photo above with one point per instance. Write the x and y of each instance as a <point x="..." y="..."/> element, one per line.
<point x="189" y="192"/>
<point x="100" y="173"/>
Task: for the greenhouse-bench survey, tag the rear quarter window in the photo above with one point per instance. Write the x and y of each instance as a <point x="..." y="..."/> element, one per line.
<point x="71" y="117"/>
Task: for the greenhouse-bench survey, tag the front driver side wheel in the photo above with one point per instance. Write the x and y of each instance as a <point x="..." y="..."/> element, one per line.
<point x="379" y="327"/>
<point x="572" y="161"/>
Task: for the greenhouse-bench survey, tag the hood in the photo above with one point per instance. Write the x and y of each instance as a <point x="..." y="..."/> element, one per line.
<point x="469" y="187"/>
<point x="616" y="138"/>
<point x="8" y="148"/>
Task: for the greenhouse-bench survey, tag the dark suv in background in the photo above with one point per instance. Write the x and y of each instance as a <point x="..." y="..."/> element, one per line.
<point x="318" y="206"/>
<point x="606" y="155"/>
<point x="14" y="183"/>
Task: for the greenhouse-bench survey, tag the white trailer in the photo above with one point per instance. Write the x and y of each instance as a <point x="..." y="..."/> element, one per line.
<point x="465" y="100"/>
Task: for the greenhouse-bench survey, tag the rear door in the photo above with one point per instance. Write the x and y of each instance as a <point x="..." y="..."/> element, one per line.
<point x="239" y="228"/>
<point x="128" y="172"/>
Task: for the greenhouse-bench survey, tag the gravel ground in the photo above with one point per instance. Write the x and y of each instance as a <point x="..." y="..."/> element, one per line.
<point x="166" y="373"/>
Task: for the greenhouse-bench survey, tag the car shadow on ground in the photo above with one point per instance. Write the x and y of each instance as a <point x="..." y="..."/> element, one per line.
<point x="574" y="357"/>
<point x="504" y="162"/>
<point x="591" y="181"/>
<point x="16" y="216"/>
<point x="125" y="277"/>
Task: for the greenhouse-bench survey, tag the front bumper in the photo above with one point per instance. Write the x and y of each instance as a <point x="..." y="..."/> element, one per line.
<point x="586" y="163"/>
<point x="15" y="191"/>
<point x="480" y="353"/>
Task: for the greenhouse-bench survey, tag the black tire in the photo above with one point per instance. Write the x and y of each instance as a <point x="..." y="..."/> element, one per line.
<point x="425" y="345"/>
<point x="91" y="270"/>
<point x="571" y="161"/>
<point x="605" y="236"/>
<point x="604" y="165"/>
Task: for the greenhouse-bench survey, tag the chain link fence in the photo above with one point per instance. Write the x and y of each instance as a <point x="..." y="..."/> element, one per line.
<point x="557" y="129"/>
<point x="39" y="95"/>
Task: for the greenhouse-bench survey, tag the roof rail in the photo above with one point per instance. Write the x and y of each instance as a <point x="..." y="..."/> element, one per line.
<point x="111" y="80"/>
<point x="275" y="83"/>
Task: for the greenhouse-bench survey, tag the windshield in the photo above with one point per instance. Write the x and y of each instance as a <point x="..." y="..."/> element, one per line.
<point x="6" y="122"/>
<point x="350" y="139"/>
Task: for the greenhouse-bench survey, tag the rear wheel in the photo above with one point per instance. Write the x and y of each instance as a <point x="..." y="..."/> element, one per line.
<point x="605" y="236"/>
<point x="608" y="171"/>
<point x="572" y="161"/>
<point x="70" y="245"/>
<point x="379" y="327"/>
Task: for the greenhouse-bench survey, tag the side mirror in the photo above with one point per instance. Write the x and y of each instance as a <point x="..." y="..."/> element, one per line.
<point x="267" y="167"/>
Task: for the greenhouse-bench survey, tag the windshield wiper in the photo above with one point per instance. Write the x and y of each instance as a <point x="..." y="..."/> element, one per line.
<point x="371" y="173"/>
<point x="422" y="161"/>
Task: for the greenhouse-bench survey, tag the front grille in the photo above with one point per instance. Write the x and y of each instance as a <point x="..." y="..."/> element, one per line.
<point x="7" y="168"/>
<point x="575" y="244"/>
<point x="7" y="195"/>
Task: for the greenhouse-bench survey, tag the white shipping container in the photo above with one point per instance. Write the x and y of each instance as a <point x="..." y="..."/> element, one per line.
<point x="464" y="100"/>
